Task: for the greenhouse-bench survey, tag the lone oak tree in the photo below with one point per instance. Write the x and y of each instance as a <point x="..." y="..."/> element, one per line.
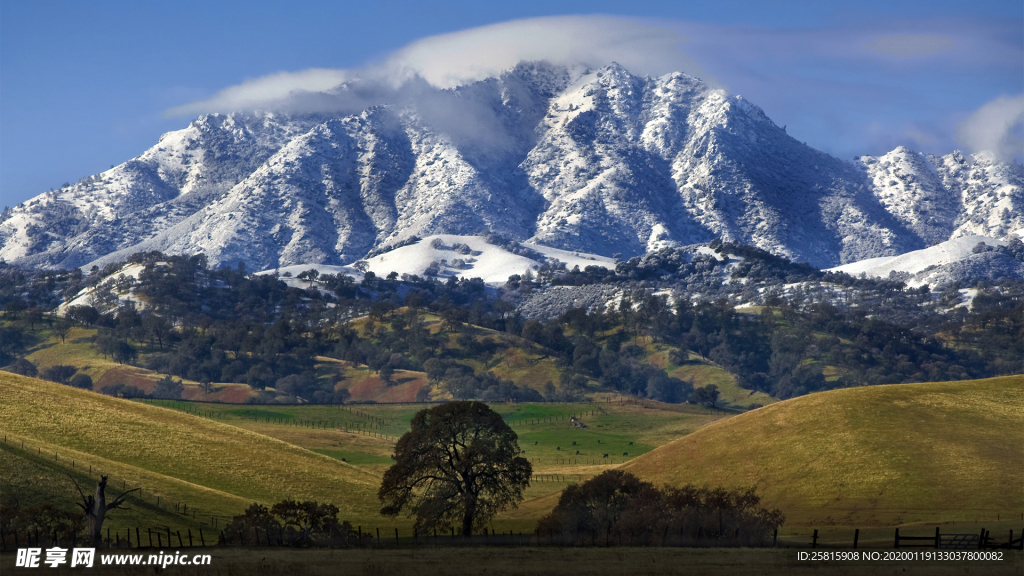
<point x="460" y="463"/>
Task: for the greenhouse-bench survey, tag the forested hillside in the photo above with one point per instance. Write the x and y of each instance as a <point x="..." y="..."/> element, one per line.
<point x="776" y="327"/>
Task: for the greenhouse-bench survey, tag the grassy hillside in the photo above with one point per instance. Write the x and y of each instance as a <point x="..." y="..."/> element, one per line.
<point x="37" y="473"/>
<point x="704" y="372"/>
<point x="77" y="350"/>
<point x="218" y="458"/>
<point x="510" y="357"/>
<point x="880" y="455"/>
<point x="129" y="438"/>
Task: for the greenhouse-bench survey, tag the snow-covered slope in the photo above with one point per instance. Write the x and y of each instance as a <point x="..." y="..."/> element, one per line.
<point x="479" y="259"/>
<point x="601" y="161"/>
<point x="958" y="259"/>
<point x="944" y="197"/>
<point x="445" y="255"/>
<point x="109" y="293"/>
<point x="123" y="206"/>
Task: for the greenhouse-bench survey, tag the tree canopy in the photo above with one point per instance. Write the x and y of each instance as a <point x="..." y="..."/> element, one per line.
<point x="458" y="466"/>
<point x="616" y="505"/>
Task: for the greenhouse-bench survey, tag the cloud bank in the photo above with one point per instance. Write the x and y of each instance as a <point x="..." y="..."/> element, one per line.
<point x="592" y="41"/>
<point x="847" y="90"/>
<point x="457" y="58"/>
<point x="994" y="128"/>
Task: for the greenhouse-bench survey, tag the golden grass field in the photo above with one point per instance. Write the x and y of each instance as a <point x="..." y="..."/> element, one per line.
<point x="880" y="455"/>
<point x="219" y="458"/>
<point x="140" y="442"/>
<point x="876" y="456"/>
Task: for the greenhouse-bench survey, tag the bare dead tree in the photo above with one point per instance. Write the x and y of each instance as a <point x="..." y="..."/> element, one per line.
<point x="96" y="507"/>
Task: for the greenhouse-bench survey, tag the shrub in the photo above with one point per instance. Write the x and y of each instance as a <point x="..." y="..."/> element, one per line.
<point x="24" y="367"/>
<point x="59" y="373"/>
<point x="168" y="389"/>
<point x="83" y="381"/>
<point x="121" y="390"/>
<point x="291" y="523"/>
<point x="617" y="506"/>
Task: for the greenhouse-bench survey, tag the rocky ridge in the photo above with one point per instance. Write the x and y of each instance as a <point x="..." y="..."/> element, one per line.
<point x="601" y="161"/>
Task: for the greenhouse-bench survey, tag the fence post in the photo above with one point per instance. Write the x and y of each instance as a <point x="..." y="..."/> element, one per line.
<point x="936" y="537"/>
<point x="981" y="541"/>
<point x="396" y="536"/>
<point x="856" y="536"/>
<point x="897" y="543"/>
<point x="201" y="539"/>
<point x="814" y="539"/>
<point x="189" y="537"/>
<point x="378" y="536"/>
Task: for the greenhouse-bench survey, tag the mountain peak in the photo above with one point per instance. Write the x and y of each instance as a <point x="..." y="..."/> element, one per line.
<point x="599" y="161"/>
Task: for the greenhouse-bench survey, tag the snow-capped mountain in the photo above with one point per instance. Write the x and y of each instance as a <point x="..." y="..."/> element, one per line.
<point x="600" y="161"/>
<point x="946" y="197"/>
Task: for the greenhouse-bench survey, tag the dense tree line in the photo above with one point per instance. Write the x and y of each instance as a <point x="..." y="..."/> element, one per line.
<point x="616" y="507"/>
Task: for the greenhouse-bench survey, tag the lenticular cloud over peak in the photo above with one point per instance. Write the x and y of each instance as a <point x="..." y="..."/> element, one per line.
<point x="449" y="60"/>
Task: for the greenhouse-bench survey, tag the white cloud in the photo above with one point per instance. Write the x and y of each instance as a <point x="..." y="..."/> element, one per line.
<point x="265" y="92"/>
<point x="452" y="59"/>
<point x="992" y="128"/>
<point x="449" y="60"/>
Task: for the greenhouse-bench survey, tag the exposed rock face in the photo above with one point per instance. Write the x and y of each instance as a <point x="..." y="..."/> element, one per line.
<point x="600" y="161"/>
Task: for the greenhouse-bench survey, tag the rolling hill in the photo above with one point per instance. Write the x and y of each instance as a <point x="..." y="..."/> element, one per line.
<point x="879" y="455"/>
<point x="162" y="449"/>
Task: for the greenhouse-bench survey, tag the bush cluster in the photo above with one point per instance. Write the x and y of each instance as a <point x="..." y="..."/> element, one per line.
<point x="617" y="507"/>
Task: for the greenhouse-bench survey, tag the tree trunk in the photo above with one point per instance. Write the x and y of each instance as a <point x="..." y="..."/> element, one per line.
<point x="96" y="507"/>
<point x="97" y="512"/>
<point x="469" y="512"/>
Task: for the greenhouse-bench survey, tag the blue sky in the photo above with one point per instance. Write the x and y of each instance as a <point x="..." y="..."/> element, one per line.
<point x="85" y="85"/>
